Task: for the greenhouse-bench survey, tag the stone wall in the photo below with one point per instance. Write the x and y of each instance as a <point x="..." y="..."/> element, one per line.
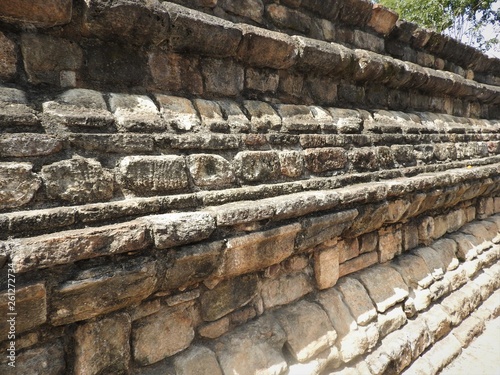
<point x="294" y="187"/>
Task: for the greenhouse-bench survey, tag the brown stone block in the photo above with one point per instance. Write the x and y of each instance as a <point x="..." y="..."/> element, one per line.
<point x="101" y="290"/>
<point x="286" y="18"/>
<point x="197" y="360"/>
<point x="103" y="346"/>
<point x="360" y="262"/>
<point x="326" y="267"/>
<point x="222" y="77"/>
<point x="163" y="334"/>
<point x="285" y="289"/>
<point x="382" y="20"/>
<point x="266" y="49"/>
<point x="257" y="166"/>
<point x="18" y="184"/>
<point x="389" y="243"/>
<point x="325" y="159"/>
<point x="28" y="302"/>
<point x="253" y="9"/>
<point x="48" y="359"/>
<point x="261" y="80"/>
<point x="47" y="13"/>
<point x="259" y="250"/>
<point x="8" y="57"/>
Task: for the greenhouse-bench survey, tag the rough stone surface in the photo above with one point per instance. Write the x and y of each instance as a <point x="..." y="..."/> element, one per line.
<point x="210" y="170"/>
<point x="18" y="184"/>
<point x="28" y="144"/>
<point x="357" y="300"/>
<point x="47" y="14"/>
<point x="78" y="181"/>
<point x="103" y="346"/>
<point x="197" y="360"/>
<point x="8" y="58"/>
<point x="257" y="166"/>
<point x="326" y="267"/>
<point x="284" y="290"/>
<point x="163" y="334"/>
<point x="325" y="159"/>
<point x="135" y="113"/>
<point x="44" y="360"/>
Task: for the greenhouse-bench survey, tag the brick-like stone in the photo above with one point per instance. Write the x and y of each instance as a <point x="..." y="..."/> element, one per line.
<point x="382" y="20"/>
<point x="410" y="236"/>
<point x="360" y="262"/>
<point x="391" y="320"/>
<point x="257" y="345"/>
<point x="261" y="80"/>
<point x="325" y="159"/>
<point x="29" y="144"/>
<point x="223" y="77"/>
<point x="214" y="329"/>
<point x="8" y="57"/>
<point x="258" y="250"/>
<point x="46" y="57"/>
<point x="297" y="118"/>
<point x="389" y="243"/>
<point x="210" y="170"/>
<point x="146" y="175"/>
<point x="257" y="166"/>
<point x="357" y="300"/>
<point x="234" y="116"/>
<point x="228" y="296"/>
<point x="103" y="346"/>
<point x="284" y="290"/>
<point x="18" y="184"/>
<point x="101" y="290"/>
<point x="308" y="329"/>
<point x="25" y="13"/>
<point x="326" y="267"/>
<point x="163" y="334"/>
<point x="384" y="285"/>
<point x="414" y="271"/>
<point x="368" y="242"/>
<point x="135" y="113"/>
<point x="291" y="163"/>
<point x="348" y="249"/>
<point x="466" y="246"/>
<point x="30" y="304"/>
<point x="197" y="360"/>
<point x="262" y="116"/>
<point x="78" y="181"/>
<point x="180" y="228"/>
<point x="438" y="322"/>
<point x="443" y="352"/>
<point x="267" y="49"/>
<point x="346" y="121"/>
<point x="178" y="112"/>
<point x="48" y="359"/>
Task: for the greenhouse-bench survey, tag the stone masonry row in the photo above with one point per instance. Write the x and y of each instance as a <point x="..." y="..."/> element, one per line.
<point x="186" y="51"/>
<point x="376" y="320"/>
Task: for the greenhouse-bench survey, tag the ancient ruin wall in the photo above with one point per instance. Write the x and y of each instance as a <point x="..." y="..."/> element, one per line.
<point x="219" y="187"/>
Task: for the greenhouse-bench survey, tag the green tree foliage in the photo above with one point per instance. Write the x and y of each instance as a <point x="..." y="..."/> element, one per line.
<point x="464" y="20"/>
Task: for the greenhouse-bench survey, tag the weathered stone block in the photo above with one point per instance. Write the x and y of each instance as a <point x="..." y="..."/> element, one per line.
<point x="259" y="250"/>
<point x="326" y="267"/>
<point x="178" y="112"/>
<point x="211" y="115"/>
<point x="222" y="77"/>
<point x="466" y="246"/>
<point x="163" y="334"/>
<point x="286" y="289"/>
<point x="382" y="20"/>
<point x="308" y="329"/>
<point x="253" y="9"/>
<point x="180" y="228"/>
<point x="210" y="170"/>
<point x="44" y="360"/>
<point x="325" y="159"/>
<point x="47" y="14"/>
<point x="257" y="166"/>
<point x="261" y="80"/>
<point x="136" y="113"/>
<point x="357" y="300"/>
<point x="410" y="236"/>
<point x="389" y="243"/>
<point x="360" y="262"/>
<point x="146" y="175"/>
<point x="103" y="346"/>
<point x="414" y="271"/>
<point x="101" y="290"/>
<point x="266" y="49"/>
<point x="262" y="116"/>
<point x="201" y="33"/>
<point x="18" y="184"/>
<point x="348" y="249"/>
<point x="228" y="296"/>
<point x="291" y="163"/>
<point x="297" y="118"/>
<point x="257" y="345"/>
<point x="446" y="249"/>
<point x="235" y="118"/>
<point x="214" y="329"/>
<point x="368" y="242"/>
<point x="30" y="304"/>
<point x="46" y="57"/>
<point x="8" y="57"/>
<point x="197" y="360"/>
<point x="391" y="320"/>
<point x="384" y="285"/>
<point x="438" y="322"/>
<point x="284" y="17"/>
<point x="78" y="181"/>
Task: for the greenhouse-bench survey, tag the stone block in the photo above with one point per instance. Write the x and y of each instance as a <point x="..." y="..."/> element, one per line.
<point x="214" y="329"/>
<point x="112" y="143"/>
<point x="235" y="118"/>
<point x="30" y="304"/>
<point x="45" y="15"/>
<point x="466" y="246"/>
<point x="360" y="262"/>
<point x="228" y="296"/>
<point x="286" y="18"/>
<point x="446" y="249"/>
<point x="438" y="322"/>
<point x="242" y="212"/>
<point x="426" y="230"/>
<point x="222" y="77"/>
<point x="382" y="20"/>
<point x="257" y="345"/>
<point x="371" y="216"/>
<point x="262" y="116"/>
<point x="253" y="9"/>
<point x="348" y="249"/>
<point x="136" y="113"/>
<point x="368" y="242"/>
<point x="18" y="184"/>
<point x="432" y="260"/>
<point x="414" y="271"/>
<point x="163" y="334"/>
<point x="391" y="320"/>
<point x="326" y="267"/>
<point x="321" y="91"/>
<point x="197" y="360"/>
<point x="200" y="33"/>
<point x="211" y="115"/>
<point x="468" y="330"/>
<point x="384" y="285"/>
<point x="147" y="175"/>
<point x="210" y="170"/>
<point x="261" y="80"/>
<point x="389" y="243"/>
<point x="325" y="159"/>
<point x="48" y="359"/>
<point x="78" y="181"/>
<point x="308" y="329"/>
<point x="443" y="352"/>
<point x="266" y="49"/>
<point x="291" y="163"/>
<point x="253" y="252"/>
<point x="317" y="230"/>
<point x="101" y="290"/>
<point x="8" y="57"/>
<point x="357" y="300"/>
<point x="297" y="118"/>
<point x="178" y="112"/>
<point x="175" y="72"/>
<point x="103" y="345"/>
<point x="257" y="166"/>
<point x="46" y="57"/>
<point x="285" y="289"/>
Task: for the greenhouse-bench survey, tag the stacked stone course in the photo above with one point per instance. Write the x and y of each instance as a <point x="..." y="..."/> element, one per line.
<point x="212" y="186"/>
